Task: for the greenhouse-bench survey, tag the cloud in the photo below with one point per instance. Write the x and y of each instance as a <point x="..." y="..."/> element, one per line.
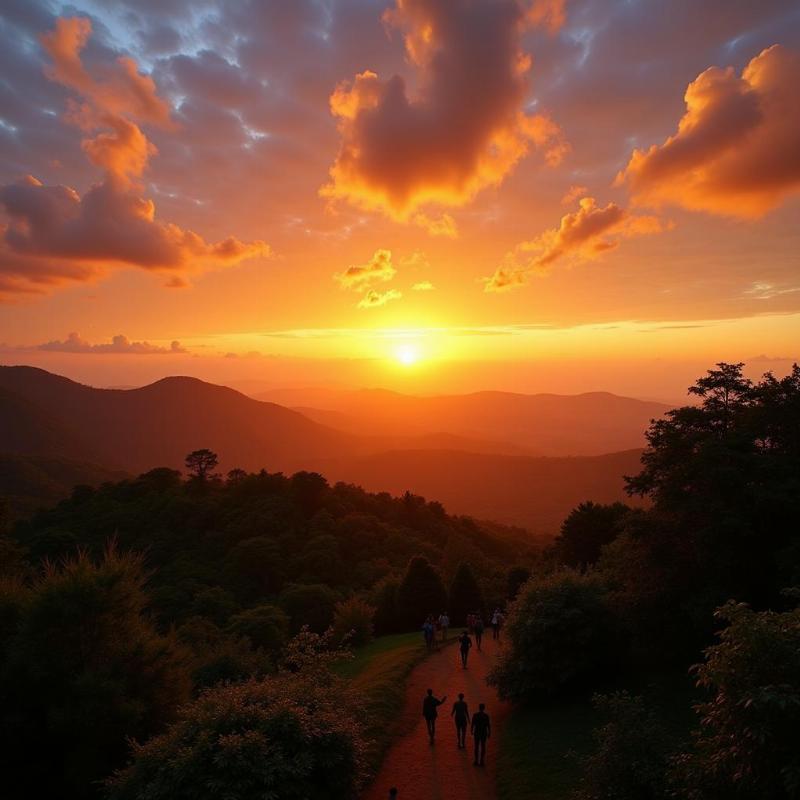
<point x="359" y="277"/>
<point x="573" y="193"/>
<point x="372" y="298"/>
<point x="423" y="286"/>
<point x="53" y="235"/>
<point x="443" y="225"/>
<point x="582" y="235"/>
<point x="463" y="129"/>
<point x="736" y="150"/>
<point x="75" y="343"/>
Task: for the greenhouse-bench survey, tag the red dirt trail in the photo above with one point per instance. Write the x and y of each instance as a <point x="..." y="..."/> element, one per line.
<point x="421" y="771"/>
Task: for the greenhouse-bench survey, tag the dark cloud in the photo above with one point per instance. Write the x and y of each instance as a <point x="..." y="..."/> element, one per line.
<point x="75" y="343"/>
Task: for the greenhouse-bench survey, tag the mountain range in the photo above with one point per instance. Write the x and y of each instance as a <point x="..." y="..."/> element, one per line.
<point x="518" y="459"/>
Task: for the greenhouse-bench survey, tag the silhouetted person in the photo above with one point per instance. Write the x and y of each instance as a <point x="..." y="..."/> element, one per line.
<point x="427" y="632"/>
<point x="497" y="621"/>
<point x="460" y="714"/>
<point x="430" y="710"/>
<point x="478" y="631"/>
<point x="464" y="645"/>
<point x="392" y="793"/>
<point x="444" y="624"/>
<point x="481" y="730"/>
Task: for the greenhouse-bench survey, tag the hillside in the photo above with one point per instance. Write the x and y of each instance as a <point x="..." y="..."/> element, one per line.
<point x="536" y="493"/>
<point x="541" y="424"/>
<point x="472" y="470"/>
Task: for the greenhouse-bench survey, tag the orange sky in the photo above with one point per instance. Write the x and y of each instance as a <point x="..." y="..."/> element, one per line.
<point x="510" y="194"/>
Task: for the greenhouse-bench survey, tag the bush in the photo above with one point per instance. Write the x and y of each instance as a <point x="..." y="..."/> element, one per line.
<point x="82" y="670"/>
<point x="630" y="760"/>
<point x="353" y="618"/>
<point x="295" y="736"/>
<point x="309" y="604"/>
<point x="747" y="743"/>
<point x="560" y="637"/>
<point x="265" y="626"/>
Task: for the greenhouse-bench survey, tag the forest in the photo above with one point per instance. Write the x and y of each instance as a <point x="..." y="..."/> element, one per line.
<point x="171" y="633"/>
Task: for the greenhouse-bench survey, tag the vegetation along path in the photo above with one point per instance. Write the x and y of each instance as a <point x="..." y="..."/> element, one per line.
<point x="441" y="771"/>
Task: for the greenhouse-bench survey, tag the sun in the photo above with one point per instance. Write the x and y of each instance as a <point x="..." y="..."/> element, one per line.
<point x="407" y="354"/>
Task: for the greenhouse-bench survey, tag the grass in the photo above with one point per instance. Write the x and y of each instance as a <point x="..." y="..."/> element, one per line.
<point x="379" y="671"/>
<point x="542" y="748"/>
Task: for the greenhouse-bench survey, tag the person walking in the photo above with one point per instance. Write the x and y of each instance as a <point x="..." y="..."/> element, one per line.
<point x="478" y="630"/>
<point x="496" y="624"/>
<point x="460" y="714"/>
<point x="464" y="645"/>
<point x="393" y="793"/>
<point x="427" y="632"/>
<point x="444" y="624"/>
<point x="430" y="710"/>
<point x="481" y="729"/>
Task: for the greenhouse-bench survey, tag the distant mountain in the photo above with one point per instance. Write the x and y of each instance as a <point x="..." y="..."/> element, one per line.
<point x="547" y="424"/>
<point x="536" y="493"/>
<point x="475" y="454"/>
<point x="156" y="425"/>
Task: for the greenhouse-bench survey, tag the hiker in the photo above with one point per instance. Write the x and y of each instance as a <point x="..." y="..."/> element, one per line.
<point x="470" y="622"/>
<point x="430" y="711"/>
<point x="427" y="632"/>
<point x="460" y="714"/>
<point x="393" y="793"/>
<point x="478" y="630"/>
<point x="481" y="729"/>
<point x="497" y="619"/>
<point x="465" y="643"/>
<point x="444" y="624"/>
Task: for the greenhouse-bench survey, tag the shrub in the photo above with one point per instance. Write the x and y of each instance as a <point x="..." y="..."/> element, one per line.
<point x="294" y="736"/>
<point x="747" y="743"/>
<point x="265" y="626"/>
<point x="560" y="636"/>
<point x="353" y="618"/>
<point x="630" y="760"/>
<point x="82" y="670"/>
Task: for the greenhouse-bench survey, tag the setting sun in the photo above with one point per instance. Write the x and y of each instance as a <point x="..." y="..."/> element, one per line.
<point x="407" y="354"/>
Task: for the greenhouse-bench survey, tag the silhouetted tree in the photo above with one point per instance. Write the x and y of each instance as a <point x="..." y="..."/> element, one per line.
<point x="265" y="626"/>
<point x="465" y="595"/>
<point x="586" y="530"/>
<point x="309" y="604"/>
<point x="387" y="613"/>
<point x="353" y="621"/>
<point x="516" y="578"/>
<point x="201" y="463"/>
<point x="421" y="592"/>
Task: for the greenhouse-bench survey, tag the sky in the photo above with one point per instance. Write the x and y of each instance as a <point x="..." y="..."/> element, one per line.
<point x="427" y="195"/>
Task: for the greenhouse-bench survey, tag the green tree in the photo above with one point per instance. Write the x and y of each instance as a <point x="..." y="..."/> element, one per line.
<point x="309" y="604"/>
<point x="387" y="611"/>
<point x="516" y="578"/>
<point x="83" y="670"/>
<point x="352" y="620"/>
<point x="421" y="592"/>
<point x="560" y="635"/>
<point x="201" y="464"/>
<point x="586" y="530"/>
<point x="746" y="745"/>
<point x="465" y="595"/>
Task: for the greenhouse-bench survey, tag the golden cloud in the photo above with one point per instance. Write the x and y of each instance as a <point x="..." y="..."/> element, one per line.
<point x="378" y="269"/>
<point x="463" y="130"/>
<point x="737" y="148"/>
<point x="373" y="298"/>
<point x="582" y="235"/>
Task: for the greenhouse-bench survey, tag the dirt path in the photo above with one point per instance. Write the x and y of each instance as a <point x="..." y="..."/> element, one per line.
<point x="442" y="771"/>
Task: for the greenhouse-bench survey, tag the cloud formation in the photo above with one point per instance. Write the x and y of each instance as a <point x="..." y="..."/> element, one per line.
<point x="75" y="343"/>
<point x="464" y="129"/>
<point x="53" y="235"/>
<point x="581" y="235"/>
<point x="423" y="286"/>
<point x="736" y="150"/>
<point x="359" y="277"/>
<point x="373" y="298"/>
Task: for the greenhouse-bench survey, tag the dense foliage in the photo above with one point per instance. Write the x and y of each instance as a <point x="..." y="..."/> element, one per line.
<point x="81" y="669"/>
<point x="560" y="636"/>
<point x="295" y="736"/>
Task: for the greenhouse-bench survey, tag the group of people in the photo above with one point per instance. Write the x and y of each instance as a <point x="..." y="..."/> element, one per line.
<point x="437" y="627"/>
<point x="479" y="723"/>
<point x="434" y="626"/>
